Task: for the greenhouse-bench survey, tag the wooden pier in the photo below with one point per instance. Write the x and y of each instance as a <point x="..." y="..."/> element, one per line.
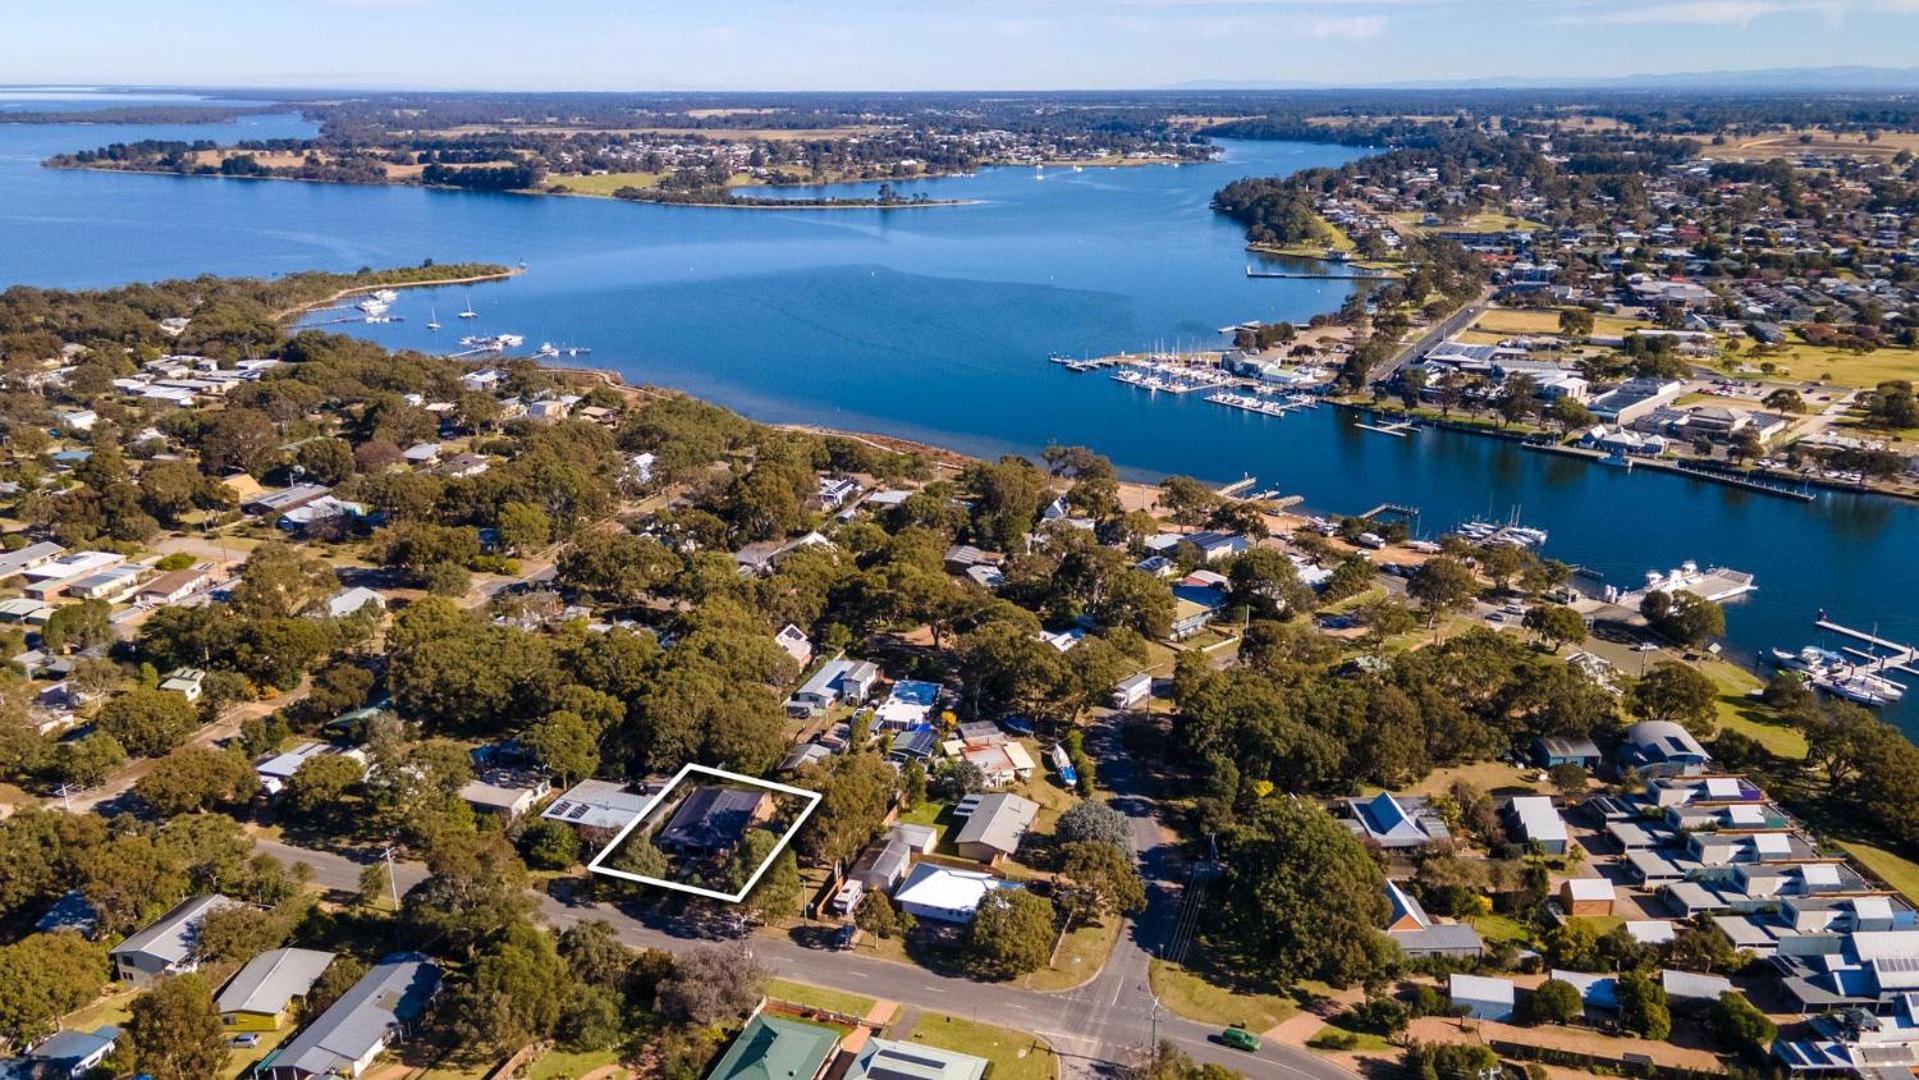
<point x="1900" y="660"/>
<point x="1397" y="430"/>
<point x="1349" y="275"/>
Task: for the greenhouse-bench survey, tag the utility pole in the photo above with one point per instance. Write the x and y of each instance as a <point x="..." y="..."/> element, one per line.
<point x="392" y="881"/>
<point x="1155" y="1050"/>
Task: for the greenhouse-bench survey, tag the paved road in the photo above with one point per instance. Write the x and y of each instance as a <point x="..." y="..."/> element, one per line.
<point x="1438" y="332"/>
<point x="1103" y="1022"/>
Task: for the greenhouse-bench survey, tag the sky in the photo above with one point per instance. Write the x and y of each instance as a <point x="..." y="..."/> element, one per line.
<point x="924" y="44"/>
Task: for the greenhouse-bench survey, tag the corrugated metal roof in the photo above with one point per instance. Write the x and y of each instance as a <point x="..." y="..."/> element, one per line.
<point x="272" y="979"/>
<point x="394" y="993"/>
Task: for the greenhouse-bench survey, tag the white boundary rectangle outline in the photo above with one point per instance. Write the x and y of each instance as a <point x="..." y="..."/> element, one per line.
<point x="812" y="803"/>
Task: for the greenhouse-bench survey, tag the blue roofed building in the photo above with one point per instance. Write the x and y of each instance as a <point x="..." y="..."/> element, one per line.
<point x="1395" y="823"/>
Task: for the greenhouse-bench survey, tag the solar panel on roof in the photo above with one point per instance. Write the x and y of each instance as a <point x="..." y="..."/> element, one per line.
<point x="578" y="812"/>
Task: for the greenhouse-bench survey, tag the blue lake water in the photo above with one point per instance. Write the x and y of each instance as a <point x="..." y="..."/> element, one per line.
<point x="934" y="324"/>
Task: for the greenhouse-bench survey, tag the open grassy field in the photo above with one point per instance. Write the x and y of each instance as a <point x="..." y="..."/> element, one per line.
<point x="1362" y="1040"/>
<point x="1191" y="995"/>
<point x="1895" y="870"/>
<point x="1814" y="362"/>
<point x="560" y="1065"/>
<point x="1486" y="222"/>
<point x="1493" y="777"/>
<point x="1737" y="712"/>
<point x="1514" y="321"/>
<point x="1616" y="325"/>
<point x="607" y="183"/>
<point x="1811" y="140"/>
<point x="818" y="997"/>
<point x="1015" y="1055"/>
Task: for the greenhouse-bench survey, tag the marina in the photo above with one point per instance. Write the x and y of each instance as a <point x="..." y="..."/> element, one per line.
<point x="1262" y="405"/>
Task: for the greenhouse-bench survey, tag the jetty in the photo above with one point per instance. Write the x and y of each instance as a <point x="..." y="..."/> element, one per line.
<point x="1897" y="657"/>
<point x="1714" y="583"/>
<point x="1316" y="275"/>
<point x="1237" y="487"/>
<point x="1253" y="403"/>
<point x="1398" y="429"/>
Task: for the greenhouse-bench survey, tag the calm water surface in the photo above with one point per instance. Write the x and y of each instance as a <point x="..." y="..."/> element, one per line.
<point x="934" y="324"/>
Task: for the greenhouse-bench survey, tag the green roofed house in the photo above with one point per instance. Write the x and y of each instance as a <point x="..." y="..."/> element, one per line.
<point x="774" y="1048"/>
<point x="884" y="1059"/>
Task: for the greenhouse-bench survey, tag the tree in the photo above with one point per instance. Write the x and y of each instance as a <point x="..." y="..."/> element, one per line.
<point x="1642" y="1005"/>
<point x="1683" y="617"/>
<point x="1102" y="880"/>
<point x="1187" y="501"/>
<point x="78" y="626"/>
<point x="1555" y="1001"/>
<point x="1088" y="821"/>
<point x="1302" y="898"/>
<point x="1785" y="400"/>
<point x="594" y="953"/>
<point x="857" y="791"/>
<point x="876" y="915"/>
<point x="524" y="527"/>
<point x="174" y="1031"/>
<point x="1556" y="624"/>
<point x="956" y="778"/>
<point x="513" y="992"/>
<point x="1678" y="693"/>
<point x="1451" y="1061"/>
<point x="1575" y="322"/>
<point x="1010" y="935"/>
<point x="476" y="887"/>
<point x="777" y="894"/>
<point x="47" y="976"/>
<point x="1267" y="583"/>
<point x="1441" y="584"/>
<point x="87" y="760"/>
<point x="325" y="461"/>
<point x="713" y="985"/>
<point x="147" y="721"/>
<point x="1739" y="1025"/>
<point x="565" y="745"/>
<point x="591" y="1020"/>
<point x="195" y="778"/>
<point x="238" y="440"/>
<point x="550" y="845"/>
<point x="315" y="790"/>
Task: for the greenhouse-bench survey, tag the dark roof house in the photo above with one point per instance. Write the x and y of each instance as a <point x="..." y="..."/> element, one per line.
<point x="713" y="819"/>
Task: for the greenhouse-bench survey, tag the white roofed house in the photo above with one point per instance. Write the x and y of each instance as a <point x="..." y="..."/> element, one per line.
<point x="597" y="808"/>
<point x="945" y="894"/>
<point x="793" y="642"/>
<point x="1534" y="821"/>
<point x="351" y="601"/>
<point x="374" y="1013"/>
<point x="166" y="945"/>
<point x="260" y="996"/>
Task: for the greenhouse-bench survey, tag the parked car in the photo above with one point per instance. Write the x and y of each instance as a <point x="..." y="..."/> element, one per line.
<point x="246" y="1042"/>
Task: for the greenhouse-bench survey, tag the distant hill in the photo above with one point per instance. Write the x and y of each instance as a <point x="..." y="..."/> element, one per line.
<point x="1838" y="78"/>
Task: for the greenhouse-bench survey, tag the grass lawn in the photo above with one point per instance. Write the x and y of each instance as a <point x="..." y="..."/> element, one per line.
<point x="1364" y="1040"/>
<point x="1737" y="712"/>
<point x="1616" y="325"/>
<point x="609" y="183"/>
<point x="818" y="997"/>
<point x="1187" y="993"/>
<point x="559" y="1065"/>
<point x="1809" y="362"/>
<point x="111" y="1009"/>
<point x="1015" y="1055"/>
<point x="1476" y="223"/>
<point x="1492" y="777"/>
<point x="1497" y="928"/>
<point x="1505" y="321"/>
<point x="1895" y="870"/>
<point x="1081" y="956"/>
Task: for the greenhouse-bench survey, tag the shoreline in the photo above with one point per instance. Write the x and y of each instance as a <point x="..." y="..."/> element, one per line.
<point x="293" y="313"/>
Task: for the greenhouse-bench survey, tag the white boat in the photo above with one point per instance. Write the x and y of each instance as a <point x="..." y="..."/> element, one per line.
<point x="1836" y="674"/>
<point x="432" y="319"/>
<point x="385" y="296"/>
<point x="469" y="313"/>
<point x="1809" y="659"/>
<point x="373" y="306"/>
<point x="547" y="349"/>
<point x="1715" y="583"/>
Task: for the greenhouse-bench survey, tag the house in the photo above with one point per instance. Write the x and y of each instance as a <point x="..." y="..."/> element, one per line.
<point x="185" y="681"/>
<point x="14" y="563"/>
<point x="994" y="826"/>
<point x="374" y="1013"/>
<point x="835" y="681"/>
<point x="421" y="454"/>
<point x="285" y="499"/>
<point x="1598" y="992"/>
<point x="172" y="587"/>
<point x="506" y="791"/>
<point x="351" y="601"/>
<point x="885" y="1059"/>
<point x="275" y="771"/>
<point x="1386" y="821"/>
<point x="1655" y="748"/>
<point x="792" y="641"/>
<point x="73" y="913"/>
<point x="944" y="894"/>
<point x="323" y="509"/>
<point x="1417" y="934"/>
<point x="260" y="996"/>
<point x="1688" y="986"/>
<point x="1003" y="764"/>
<point x="907" y="705"/>
<point x="113" y="584"/>
<point x="597" y="808"/>
<point x="712" y="820"/>
<point x="833" y="492"/>
<point x="65" y="1055"/>
<point x="1550" y="752"/>
<point x="884" y="863"/>
<point x="775" y="1048"/>
<point x="1480" y="997"/>
<point x="1534" y="822"/>
<point x="1132" y="691"/>
<point x="164" y="946"/>
<point x="1586" y="896"/>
